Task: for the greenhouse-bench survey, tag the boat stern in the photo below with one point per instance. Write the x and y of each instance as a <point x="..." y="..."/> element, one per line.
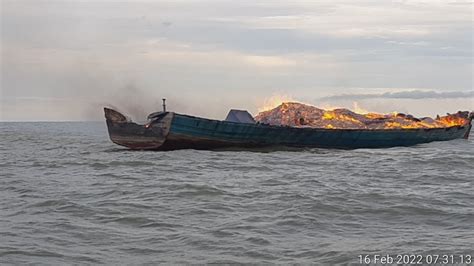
<point x="469" y="125"/>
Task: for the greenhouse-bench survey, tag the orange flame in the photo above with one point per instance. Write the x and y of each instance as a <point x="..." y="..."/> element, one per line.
<point x="358" y="109"/>
<point x="274" y="101"/>
<point x="296" y="114"/>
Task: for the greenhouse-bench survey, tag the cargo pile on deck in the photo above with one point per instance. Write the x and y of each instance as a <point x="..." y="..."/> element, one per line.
<point x="301" y="115"/>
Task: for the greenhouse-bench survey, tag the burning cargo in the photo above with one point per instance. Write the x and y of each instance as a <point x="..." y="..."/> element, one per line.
<point x="301" y="115"/>
<point x="290" y="124"/>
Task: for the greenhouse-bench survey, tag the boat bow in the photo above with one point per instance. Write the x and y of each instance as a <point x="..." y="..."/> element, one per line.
<point x="148" y="136"/>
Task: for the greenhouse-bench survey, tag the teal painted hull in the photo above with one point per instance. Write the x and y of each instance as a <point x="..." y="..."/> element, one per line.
<point x="199" y="133"/>
<point x="175" y="131"/>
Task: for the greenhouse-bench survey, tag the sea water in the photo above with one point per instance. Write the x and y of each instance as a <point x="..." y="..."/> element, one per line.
<point x="68" y="195"/>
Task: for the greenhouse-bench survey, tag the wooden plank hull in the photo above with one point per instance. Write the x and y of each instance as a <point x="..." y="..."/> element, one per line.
<point x="176" y="131"/>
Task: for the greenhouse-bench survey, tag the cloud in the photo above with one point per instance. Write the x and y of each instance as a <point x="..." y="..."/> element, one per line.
<point x="412" y="94"/>
<point x="58" y="58"/>
<point x="269" y="61"/>
<point x="346" y="19"/>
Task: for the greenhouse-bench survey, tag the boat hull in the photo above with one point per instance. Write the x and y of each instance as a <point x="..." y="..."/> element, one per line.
<point x="175" y="131"/>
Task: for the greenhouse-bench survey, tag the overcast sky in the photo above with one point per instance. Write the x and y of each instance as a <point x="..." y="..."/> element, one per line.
<point x="64" y="60"/>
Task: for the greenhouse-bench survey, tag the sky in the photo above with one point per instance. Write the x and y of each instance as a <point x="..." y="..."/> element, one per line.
<point x="65" y="60"/>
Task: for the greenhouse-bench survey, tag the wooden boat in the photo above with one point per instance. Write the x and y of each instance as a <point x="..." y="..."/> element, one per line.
<point x="171" y="131"/>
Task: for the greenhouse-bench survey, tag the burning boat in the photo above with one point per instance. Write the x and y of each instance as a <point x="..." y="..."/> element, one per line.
<point x="290" y="124"/>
